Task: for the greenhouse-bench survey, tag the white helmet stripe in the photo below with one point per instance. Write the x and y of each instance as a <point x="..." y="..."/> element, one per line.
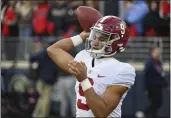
<point x="104" y="18"/>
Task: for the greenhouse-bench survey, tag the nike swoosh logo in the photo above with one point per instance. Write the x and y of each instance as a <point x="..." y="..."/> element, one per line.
<point x="100" y="76"/>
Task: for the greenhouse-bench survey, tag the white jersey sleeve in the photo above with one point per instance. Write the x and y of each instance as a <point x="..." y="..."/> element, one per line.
<point x="125" y="77"/>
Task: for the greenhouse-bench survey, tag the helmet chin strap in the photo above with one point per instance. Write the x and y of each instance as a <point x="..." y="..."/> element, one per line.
<point x="96" y="53"/>
<point x="100" y="55"/>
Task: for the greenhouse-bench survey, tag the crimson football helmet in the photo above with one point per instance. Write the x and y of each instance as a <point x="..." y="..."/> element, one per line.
<point x="109" y="35"/>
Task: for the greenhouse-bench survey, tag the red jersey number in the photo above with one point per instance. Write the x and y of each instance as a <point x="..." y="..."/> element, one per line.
<point x="81" y="93"/>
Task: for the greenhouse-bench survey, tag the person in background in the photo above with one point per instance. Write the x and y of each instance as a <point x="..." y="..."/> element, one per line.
<point x="24" y="11"/>
<point x="40" y="22"/>
<point x="59" y="15"/>
<point x="65" y="92"/>
<point x="47" y="73"/>
<point x="135" y="15"/>
<point x="154" y="81"/>
<point x="153" y="24"/>
<point x="9" y="29"/>
<point x="9" y="20"/>
<point x="164" y="9"/>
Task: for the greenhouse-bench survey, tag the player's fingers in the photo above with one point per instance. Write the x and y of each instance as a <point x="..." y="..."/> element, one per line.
<point x="72" y="67"/>
<point x="75" y="69"/>
<point x="83" y="64"/>
<point x="78" y="71"/>
<point x="78" y="65"/>
<point x="72" y="63"/>
<point x="72" y="72"/>
<point x="75" y="64"/>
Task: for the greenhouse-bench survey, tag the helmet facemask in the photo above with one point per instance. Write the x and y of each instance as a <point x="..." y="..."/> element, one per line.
<point x="99" y="43"/>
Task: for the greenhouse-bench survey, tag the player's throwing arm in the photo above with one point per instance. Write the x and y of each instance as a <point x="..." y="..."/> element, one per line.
<point x="58" y="51"/>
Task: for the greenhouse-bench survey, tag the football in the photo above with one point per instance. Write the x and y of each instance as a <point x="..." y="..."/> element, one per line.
<point x="87" y="17"/>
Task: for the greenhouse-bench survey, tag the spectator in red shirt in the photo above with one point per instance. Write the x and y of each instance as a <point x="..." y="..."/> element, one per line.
<point x="40" y="22"/>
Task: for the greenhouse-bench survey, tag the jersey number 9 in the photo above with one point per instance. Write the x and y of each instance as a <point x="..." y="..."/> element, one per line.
<point x="81" y="105"/>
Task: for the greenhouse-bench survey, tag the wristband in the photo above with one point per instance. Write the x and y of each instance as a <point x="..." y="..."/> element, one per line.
<point x="85" y="84"/>
<point x="76" y="40"/>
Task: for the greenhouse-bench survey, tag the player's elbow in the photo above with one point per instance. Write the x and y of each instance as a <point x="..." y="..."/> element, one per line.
<point x="50" y="51"/>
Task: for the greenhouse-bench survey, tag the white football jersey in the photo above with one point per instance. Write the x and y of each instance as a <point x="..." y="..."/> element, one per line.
<point x="106" y="72"/>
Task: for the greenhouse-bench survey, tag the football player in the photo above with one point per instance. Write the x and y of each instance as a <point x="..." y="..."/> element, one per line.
<point x="102" y="81"/>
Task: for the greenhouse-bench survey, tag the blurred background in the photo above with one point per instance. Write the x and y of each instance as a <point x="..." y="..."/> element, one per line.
<point x="32" y="85"/>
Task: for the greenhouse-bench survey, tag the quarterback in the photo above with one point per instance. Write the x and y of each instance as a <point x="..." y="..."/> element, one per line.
<point x="102" y="81"/>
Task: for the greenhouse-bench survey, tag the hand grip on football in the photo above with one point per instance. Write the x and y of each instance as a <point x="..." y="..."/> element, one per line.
<point x="87" y="17"/>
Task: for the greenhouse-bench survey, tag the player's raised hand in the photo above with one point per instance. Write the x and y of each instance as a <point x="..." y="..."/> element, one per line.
<point x="78" y="69"/>
<point x="84" y="35"/>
